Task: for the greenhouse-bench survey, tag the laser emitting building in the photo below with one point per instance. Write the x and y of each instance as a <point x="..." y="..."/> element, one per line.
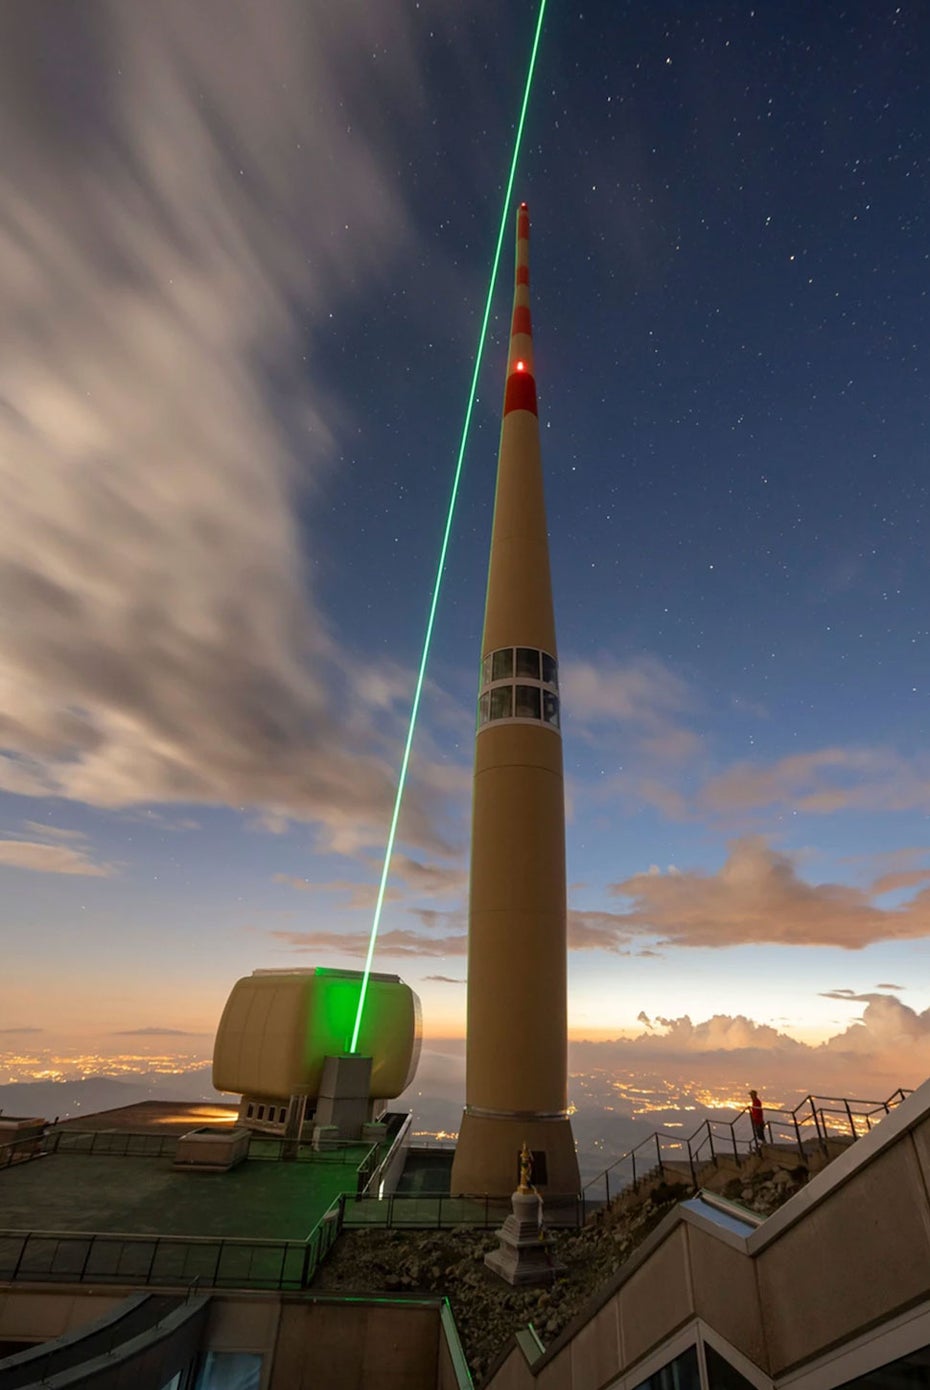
<point x="516" y="1064"/>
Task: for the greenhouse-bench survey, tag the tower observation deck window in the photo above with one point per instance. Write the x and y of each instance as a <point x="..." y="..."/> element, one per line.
<point x="528" y="663"/>
<point x="519" y="684"/>
<point x="501" y="702"/>
<point x="502" y="665"/>
<point x="526" y="704"/>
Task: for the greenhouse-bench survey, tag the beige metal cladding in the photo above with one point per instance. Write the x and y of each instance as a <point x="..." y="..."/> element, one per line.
<point x="516" y="1066"/>
<point x="516" y="933"/>
<point x="519" y="601"/>
<point x="277" y="1029"/>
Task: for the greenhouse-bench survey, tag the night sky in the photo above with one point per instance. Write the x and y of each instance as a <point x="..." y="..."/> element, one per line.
<point x="244" y="252"/>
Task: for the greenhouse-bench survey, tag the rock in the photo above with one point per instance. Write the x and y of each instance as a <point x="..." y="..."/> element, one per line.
<point x="747" y="1194"/>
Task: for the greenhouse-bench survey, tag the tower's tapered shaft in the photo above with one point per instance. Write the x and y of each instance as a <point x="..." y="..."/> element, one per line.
<point x="516" y="1070"/>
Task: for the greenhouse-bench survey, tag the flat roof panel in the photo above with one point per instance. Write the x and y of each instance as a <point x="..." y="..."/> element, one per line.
<point x="261" y="1199"/>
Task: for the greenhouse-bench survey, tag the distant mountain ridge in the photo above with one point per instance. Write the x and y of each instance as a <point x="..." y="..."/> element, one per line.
<point x="71" y="1099"/>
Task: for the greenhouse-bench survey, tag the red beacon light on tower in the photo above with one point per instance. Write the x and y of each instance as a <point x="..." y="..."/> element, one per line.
<point x="521" y="367"/>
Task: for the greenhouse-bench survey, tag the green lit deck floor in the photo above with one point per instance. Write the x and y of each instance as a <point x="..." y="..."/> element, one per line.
<point x="260" y="1200"/>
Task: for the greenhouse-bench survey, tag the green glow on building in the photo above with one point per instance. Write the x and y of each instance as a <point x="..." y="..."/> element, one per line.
<point x="437" y="584"/>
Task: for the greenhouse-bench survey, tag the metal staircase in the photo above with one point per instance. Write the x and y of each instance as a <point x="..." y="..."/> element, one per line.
<point x="816" y="1130"/>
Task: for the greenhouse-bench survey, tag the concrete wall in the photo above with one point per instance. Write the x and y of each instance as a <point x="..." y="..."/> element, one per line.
<point x="844" y="1256"/>
<point x="858" y="1257"/>
<point x="304" y="1342"/>
<point x="34" y="1315"/>
<point x="353" y="1346"/>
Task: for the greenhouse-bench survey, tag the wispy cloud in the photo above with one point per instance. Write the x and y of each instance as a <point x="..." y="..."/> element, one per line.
<point x="177" y="215"/>
<point x="360" y="896"/>
<point x="52" y="832"/>
<point x="821" y="782"/>
<point x="156" y="1032"/>
<point x="400" y="943"/>
<point x="51" y="859"/>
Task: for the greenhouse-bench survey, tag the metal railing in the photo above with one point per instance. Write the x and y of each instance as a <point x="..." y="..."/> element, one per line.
<point x="433" y="1211"/>
<point x="168" y="1261"/>
<point x="384" y="1168"/>
<point x="125" y="1144"/>
<point x="812" y="1123"/>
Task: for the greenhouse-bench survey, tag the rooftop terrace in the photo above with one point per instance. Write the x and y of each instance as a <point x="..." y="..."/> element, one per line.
<point x="114" y="1172"/>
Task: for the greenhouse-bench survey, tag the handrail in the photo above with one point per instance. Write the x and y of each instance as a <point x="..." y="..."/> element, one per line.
<point x="108" y="1143"/>
<point x="398" y="1143"/>
<point x="810" y="1111"/>
<point x="282" y="1264"/>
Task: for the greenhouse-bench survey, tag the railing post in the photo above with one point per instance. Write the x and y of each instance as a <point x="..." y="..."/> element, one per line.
<point x="633" y="1156"/>
<point x="90" y="1246"/>
<point x="733" y="1137"/>
<point x="22" y="1254"/>
<point x="659" y="1155"/>
<point x="852" y="1123"/>
<point x="797" y="1134"/>
<point x="607" y="1187"/>
<point x="691" y="1164"/>
<point x="710" y="1138"/>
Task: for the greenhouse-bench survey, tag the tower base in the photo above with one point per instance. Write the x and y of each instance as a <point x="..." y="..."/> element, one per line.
<point x="487" y="1156"/>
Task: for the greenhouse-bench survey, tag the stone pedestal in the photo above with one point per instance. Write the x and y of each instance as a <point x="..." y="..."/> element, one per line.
<point x="210" y="1149"/>
<point x="524" y="1256"/>
<point x="344" y="1097"/>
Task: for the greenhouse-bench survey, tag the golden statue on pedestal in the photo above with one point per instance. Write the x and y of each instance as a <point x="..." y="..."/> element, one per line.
<point x="526" y="1170"/>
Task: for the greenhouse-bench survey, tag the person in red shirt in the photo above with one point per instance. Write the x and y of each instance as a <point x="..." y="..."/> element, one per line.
<point x="757" y="1117"/>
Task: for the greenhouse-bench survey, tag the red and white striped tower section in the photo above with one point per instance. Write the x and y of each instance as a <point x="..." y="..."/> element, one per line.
<point x="516" y="1068"/>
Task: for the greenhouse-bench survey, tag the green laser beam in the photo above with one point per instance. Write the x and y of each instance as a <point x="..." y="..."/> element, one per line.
<point x="437" y="585"/>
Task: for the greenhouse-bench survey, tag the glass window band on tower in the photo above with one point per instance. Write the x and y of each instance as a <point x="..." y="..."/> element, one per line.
<point x="520" y="685"/>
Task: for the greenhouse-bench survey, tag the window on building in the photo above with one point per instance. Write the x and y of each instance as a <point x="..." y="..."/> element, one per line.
<point x="230" y="1370"/>
<point x="527" y="672"/>
<point x="261" y="1112"/>
<point x="680" y="1374"/>
<point x="527" y="663"/>
<point x="550" y="705"/>
<point x="502" y="665"/>
<point x="501" y="702"/>
<point x="250" y="1110"/>
<point x="911" y="1370"/>
<point x="282" y="1114"/>
<point x="721" y="1375"/>
<point x="526" y="705"/>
